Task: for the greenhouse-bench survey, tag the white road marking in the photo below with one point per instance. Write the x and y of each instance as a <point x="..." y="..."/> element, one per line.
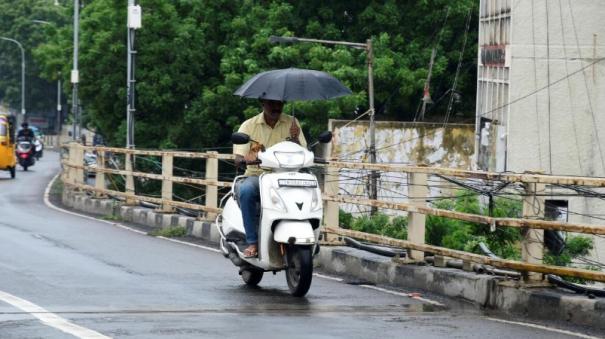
<point x="575" y="334"/>
<point x="191" y="244"/>
<point x="328" y="277"/>
<point x="402" y="294"/>
<point x="49" y="318"/>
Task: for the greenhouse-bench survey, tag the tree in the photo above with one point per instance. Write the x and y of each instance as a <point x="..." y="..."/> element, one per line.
<point x="192" y="55"/>
<point x="17" y="21"/>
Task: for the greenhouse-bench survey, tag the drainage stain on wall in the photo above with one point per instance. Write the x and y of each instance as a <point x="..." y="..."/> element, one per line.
<point x="397" y="142"/>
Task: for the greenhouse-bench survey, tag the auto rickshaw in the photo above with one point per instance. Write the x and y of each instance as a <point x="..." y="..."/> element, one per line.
<point x="8" y="160"/>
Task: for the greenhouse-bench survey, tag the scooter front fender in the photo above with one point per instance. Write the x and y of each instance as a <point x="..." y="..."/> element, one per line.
<point x="300" y="231"/>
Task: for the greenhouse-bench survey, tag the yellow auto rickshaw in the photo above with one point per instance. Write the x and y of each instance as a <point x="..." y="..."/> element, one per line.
<point x="8" y="159"/>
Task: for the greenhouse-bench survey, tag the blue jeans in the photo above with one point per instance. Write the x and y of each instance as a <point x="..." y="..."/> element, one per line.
<point x="249" y="199"/>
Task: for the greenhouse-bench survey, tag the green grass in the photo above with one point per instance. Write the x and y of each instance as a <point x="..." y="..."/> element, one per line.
<point x="111" y="217"/>
<point x="57" y="187"/>
<point x="172" y="232"/>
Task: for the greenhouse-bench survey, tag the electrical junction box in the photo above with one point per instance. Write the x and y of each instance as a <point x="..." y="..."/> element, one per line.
<point x="134" y="17"/>
<point x="75" y="76"/>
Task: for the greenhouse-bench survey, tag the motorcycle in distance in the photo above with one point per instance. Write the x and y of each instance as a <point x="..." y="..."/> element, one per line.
<point x="25" y="152"/>
<point x="39" y="148"/>
<point x="291" y="209"/>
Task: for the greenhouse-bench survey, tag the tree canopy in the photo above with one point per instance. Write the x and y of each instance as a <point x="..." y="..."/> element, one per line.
<point x="192" y="56"/>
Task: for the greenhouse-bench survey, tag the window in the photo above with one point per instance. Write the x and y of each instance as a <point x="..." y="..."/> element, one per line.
<point x="2" y="130"/>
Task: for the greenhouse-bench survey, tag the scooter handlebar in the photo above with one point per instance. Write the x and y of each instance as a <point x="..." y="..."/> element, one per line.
<point x="254" y="162"/>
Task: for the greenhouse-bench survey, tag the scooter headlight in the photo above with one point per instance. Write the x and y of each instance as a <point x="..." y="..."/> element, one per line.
<point x="277" y="201"/>
<point x="290" y="159"/>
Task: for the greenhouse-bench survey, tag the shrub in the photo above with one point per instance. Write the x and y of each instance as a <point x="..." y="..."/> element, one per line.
<point x="379" y="223"/>
<point x="466" y="236"/>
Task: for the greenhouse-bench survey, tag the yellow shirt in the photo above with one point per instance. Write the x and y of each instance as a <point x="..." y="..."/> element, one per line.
<point x="258" y="130"/>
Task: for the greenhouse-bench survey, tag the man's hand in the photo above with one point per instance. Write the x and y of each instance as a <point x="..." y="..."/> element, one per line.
<point x="250" y="156"/>
<point x="294" y="129"/>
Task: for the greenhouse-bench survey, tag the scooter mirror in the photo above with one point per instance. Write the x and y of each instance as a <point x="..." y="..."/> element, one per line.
<point x="325" y="137"/>
<point x="240" y="138"/>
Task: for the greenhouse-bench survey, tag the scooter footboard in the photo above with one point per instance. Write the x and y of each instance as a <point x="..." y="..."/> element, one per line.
<point x="297" y="232"/>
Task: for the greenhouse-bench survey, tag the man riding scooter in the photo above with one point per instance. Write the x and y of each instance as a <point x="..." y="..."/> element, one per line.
<point x="268" y="128"/>
<point x="25" y="146"/>
<point x="26" y="133"/>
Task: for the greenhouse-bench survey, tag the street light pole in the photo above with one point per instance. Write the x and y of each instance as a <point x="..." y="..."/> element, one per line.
<point x="130" y="89"/>
<point x="75" y="75"/>
<point x="59" y="105"/>
<point x="22" y="72"/>
<point x="370" y="59"/>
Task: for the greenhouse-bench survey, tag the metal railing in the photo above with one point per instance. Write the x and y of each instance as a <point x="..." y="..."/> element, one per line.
<point x="532" y="222"/>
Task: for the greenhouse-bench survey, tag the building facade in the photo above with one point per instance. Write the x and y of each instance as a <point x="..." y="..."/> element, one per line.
<point x="541" y="94"/>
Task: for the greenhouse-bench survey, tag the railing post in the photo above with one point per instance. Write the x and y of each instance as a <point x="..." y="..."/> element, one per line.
<point x="69" y="174"/>
<point x="167" y="167"/>
<point x="331" y="208"/>
<point x="417" y="194"/>
<point x="79" y="161"/>
<point x="99" y="175"/>
<point x="211" y="190"/>
<point x="129" y="179"/>
<point x="532" y="245"/>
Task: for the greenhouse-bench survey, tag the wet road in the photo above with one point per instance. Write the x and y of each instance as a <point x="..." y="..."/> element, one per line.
<point x="62" y="274"/>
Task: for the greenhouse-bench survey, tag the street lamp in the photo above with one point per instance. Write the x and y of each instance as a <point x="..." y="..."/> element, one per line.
<point x="370" y="57"/>
<point x="22" y="71"/>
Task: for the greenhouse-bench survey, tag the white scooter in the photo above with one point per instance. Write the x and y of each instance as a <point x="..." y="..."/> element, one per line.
<point x="291" y="209"/>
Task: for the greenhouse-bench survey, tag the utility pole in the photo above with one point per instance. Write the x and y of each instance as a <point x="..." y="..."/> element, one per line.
<point x="134" y="23"/>
<point x="75" y="75"/>
<point x="59" y="105"/>
<point x="373" y="174"/>
<point x="426" y="98"/>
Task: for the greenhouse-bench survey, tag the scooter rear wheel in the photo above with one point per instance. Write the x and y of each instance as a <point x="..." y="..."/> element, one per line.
<point x="300" y="270"/>
<point x="251" y="276"/>
<point x="13" y="170"/>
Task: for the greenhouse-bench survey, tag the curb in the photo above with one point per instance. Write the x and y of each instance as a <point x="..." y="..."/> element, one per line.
<point x="486" y="291"/>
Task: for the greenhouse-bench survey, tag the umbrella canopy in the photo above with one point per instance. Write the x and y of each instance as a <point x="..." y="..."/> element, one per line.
<point x="292" y="84"/>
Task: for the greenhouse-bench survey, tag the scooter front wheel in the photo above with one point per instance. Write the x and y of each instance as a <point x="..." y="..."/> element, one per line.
<point x="300" y="270"/>
<point x="252" y="276"/>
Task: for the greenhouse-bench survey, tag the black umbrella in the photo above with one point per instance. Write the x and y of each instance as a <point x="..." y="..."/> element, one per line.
<point x="292" y="84"/>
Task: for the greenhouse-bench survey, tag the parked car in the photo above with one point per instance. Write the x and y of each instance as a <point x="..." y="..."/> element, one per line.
<point x="90" y="160"/>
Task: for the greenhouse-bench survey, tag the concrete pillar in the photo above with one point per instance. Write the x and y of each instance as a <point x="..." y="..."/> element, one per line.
<point x="129" y="179"/>
<point x="532" y="245"/>
<point x="100" y="176"/>
<point x="69" y="173"/>
<point x="167" y="167"/>
<point x="417" y="194"/>
<point x="211" y="190"/>
<point x="331" y="208"/>
<point x="79" y="161"/>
